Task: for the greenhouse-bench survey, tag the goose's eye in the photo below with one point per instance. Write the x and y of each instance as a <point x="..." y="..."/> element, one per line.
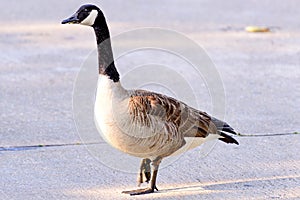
<point x="85" y="10"/>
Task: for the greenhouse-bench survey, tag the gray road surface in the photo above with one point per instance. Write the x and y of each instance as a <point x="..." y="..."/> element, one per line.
<point x="39" y="62"/>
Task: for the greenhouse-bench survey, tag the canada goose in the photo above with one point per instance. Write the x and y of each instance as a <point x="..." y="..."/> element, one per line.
<point x="141" y="123"/>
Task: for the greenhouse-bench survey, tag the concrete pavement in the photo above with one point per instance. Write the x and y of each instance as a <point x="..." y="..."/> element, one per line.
<point x="39" y="62"/>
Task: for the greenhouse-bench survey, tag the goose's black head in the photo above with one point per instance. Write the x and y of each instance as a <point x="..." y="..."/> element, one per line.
<point x="85" y="15"/>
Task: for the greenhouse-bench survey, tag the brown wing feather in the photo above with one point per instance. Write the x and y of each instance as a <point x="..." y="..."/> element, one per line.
<point x="188" y="121"/>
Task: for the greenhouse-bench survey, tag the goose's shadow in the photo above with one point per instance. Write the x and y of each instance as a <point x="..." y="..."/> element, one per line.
<point x="240" y="184"/>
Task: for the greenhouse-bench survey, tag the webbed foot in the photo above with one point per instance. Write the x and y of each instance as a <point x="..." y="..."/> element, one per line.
<point x="139" y="191"/>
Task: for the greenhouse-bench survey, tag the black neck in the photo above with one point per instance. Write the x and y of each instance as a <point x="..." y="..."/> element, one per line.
<point x="105" y="54"/>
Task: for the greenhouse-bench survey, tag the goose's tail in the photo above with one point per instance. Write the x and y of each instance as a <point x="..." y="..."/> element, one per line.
<point x="224" y="129"/>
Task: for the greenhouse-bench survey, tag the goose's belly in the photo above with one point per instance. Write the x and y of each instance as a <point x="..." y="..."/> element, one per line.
<point x="117" y="130"/>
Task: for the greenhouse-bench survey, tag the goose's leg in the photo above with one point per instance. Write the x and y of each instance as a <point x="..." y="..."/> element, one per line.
<point x="154" y="169"/>
<point x="145" y="171"/>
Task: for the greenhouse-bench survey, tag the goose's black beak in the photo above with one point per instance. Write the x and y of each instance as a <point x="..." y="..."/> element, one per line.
<point x="71" y="20"/>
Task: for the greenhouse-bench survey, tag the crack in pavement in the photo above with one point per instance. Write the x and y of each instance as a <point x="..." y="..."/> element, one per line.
<point x="33" y="147"/>
<point x="266" y="134"/>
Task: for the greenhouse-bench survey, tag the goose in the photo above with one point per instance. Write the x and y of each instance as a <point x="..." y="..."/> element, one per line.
<point x="142" y="123"/>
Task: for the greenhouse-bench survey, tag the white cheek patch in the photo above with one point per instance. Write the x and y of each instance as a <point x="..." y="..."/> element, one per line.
<point x="90" y="19"/>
